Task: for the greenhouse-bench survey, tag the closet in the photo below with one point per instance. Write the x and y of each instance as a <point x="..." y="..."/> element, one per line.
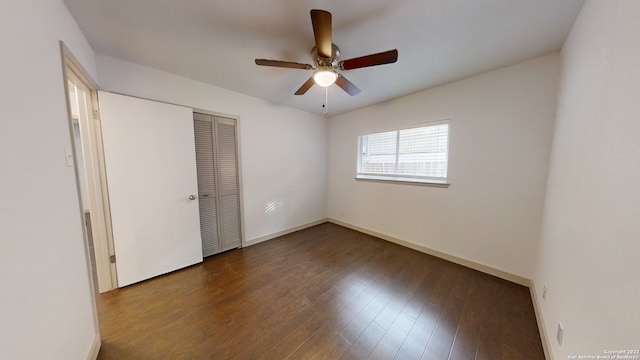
<point x="218" y="182"/>
<point x="173" y="183"/>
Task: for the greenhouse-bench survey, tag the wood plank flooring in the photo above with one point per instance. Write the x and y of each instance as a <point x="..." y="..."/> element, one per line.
<point x="326" y="292"/>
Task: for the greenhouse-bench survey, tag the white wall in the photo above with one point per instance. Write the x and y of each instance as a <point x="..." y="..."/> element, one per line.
<point x="590" y="250"/>
<point x="501" y="130"/>
<point x="283" y="150"/>
<point x="45" y="303"/>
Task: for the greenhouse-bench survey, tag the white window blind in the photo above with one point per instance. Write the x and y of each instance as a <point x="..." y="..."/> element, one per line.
<point x="417" y="154"/>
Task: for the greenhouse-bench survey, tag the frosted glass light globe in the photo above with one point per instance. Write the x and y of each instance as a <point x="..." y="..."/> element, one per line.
<point x="325" y="76"/>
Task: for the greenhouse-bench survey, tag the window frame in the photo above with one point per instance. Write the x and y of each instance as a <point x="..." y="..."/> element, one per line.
<point x="401" y="178"/>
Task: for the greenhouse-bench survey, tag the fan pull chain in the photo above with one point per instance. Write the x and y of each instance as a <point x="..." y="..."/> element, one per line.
<point x="326" y="100"/>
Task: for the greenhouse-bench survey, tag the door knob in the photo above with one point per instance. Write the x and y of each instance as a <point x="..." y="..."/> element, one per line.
<point x="192" y="197"/>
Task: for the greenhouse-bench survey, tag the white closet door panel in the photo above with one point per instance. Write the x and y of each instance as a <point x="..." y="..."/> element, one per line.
<point x="151" y="171"/>
<point x="229" y="185"/>
<point x="209" y="227"/>
<point x="227" y="155"/>
<point x="205" y="158"/>
<point x="230" y="222"/>
<point x="205" y="154"/>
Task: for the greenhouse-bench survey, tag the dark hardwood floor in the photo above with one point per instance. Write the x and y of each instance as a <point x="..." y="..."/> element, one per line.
<point x="326" y="292"/>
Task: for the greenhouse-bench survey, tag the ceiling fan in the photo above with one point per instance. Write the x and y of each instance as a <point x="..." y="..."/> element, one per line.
<point x="325" y="55"/>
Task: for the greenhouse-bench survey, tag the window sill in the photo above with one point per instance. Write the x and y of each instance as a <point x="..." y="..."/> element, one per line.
<point x="403" y="181"/>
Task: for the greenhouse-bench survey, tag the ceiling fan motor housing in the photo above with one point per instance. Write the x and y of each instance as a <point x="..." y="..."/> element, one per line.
<point x="320" y="61"/>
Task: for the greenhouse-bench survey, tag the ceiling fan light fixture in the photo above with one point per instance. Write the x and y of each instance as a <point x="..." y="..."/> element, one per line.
<point x="325" y="76"/>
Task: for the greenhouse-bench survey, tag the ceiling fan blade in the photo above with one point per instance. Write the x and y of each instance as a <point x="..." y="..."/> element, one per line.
<point x="284" y="64"/>
<point x="386" y="57"/>
<point x="321" y="21"/>
<point x="306" y="86"/>
<point x="347" y="86"/>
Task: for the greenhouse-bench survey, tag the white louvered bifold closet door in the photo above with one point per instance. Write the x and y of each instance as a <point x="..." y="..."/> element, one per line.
<point x="229" y="187"/>
<point x="206" y="184"/>
<point x="218" y="186"/>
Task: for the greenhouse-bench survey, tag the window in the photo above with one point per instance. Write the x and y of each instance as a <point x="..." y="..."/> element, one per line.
<point x="410" y="155"/>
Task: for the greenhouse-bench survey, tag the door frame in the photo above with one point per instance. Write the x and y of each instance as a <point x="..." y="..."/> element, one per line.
<point x="104" y="253"/>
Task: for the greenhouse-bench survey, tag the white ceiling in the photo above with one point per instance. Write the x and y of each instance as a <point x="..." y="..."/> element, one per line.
<point x="216" y="41"/>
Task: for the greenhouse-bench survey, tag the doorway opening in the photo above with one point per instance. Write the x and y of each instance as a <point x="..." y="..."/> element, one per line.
<point x="88" y="159"/>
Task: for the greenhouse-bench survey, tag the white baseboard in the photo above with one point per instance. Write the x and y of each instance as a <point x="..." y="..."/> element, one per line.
<point x="460" y="261"/>
<point x="283" y="232"/>
<point x="95" y="348"/>
<point x="540" y="320"/>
